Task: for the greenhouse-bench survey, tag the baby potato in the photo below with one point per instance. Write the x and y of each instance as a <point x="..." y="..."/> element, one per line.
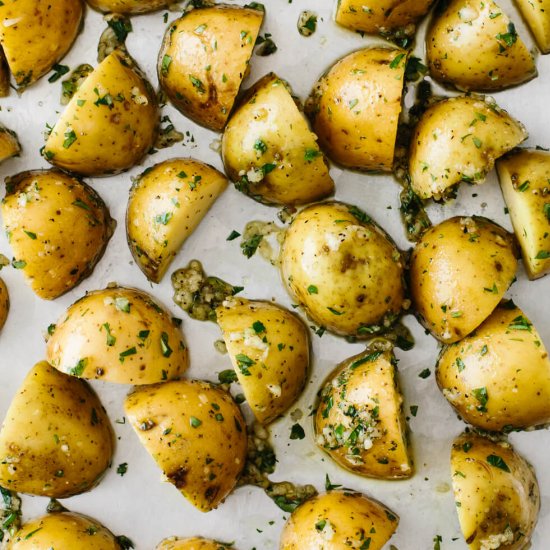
<point x="269" y="349"/>
<point x="36" y="34"/>
<point x="197" y="435"/>
<point x="9" y="144"/>
<point x="166" y="204"/>
<point x="537" y="16"/>
<point x="64" y="531"/>
<point x="473" y="46"/>
<point x="119" y="335"/>
<point x="56" y="439"/>
<point x="359" y="420"/>
<point x="355" y="107"/>
<point x="498" y="378"/>
<point x="459" y="271"/>
<point x="194" y="543"/>
<point x="129" y="6"/>
<point x="496" y="493"/>
<point x="58" y="228"/>
<point x="269" y="150"/>
<point x="339" y="520"/>
<point x="204" y="58"/>
<point x="4" y="303"/>
<point x="343" y="269"/>
<point x="109" y="124"/>
<point x="458" y="139"/>
<point x="525" y="182"/>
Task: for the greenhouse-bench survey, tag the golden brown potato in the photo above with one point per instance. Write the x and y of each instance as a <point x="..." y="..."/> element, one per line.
<point x="58" y="228"/>
<point x="204" y="58"/>
<point x="110" y="123"/>
<point x="339" y="520"/>
<point x="269" y="150"/>
<point x="119" y="335"/>
<point x="496" y="493"/>
<point x="459" y="271"/>
<point x="129" y="6"/>
<point x="36" y="34"/>
<point x="537" y="16"/>
<point x="459" y="139"/>
<point x="269" y="349"/>
<point x="4" y="303"/>
<point x="343" y="269"/>
<point x="56" y="439"/>
<point x="197" y="435"/>
<point x="166" y="204"/>
<point x="474" y="46"/>
<point x="194" y="543"/>
<point x="9" y="144"/>
<point x="355" y="106"/>
<point x="525" y="182"/>
<point x="4" y="75"/>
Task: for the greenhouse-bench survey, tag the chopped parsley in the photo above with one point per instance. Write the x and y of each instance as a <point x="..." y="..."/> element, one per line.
<point x="297" y="432"/>
<point x="498" y="462"/>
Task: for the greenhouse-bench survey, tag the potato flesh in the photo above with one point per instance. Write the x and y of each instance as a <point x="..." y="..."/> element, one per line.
<point x="459" y="139"/>
<point x="9" y="146"/>
<point x="195" y="543"/>
<point x="129" y="6"/>
<point x="525" y="183"/>
<point x="537" y="16"/>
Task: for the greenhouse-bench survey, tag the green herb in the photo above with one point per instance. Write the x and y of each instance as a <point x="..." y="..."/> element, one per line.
<point x="366" y="359"/>
<point x="258" y="327"/>
<point x="59" y="71"/>
<point x="18" y="264"/>
<point x="244" y="362"/>
<point x="524" y="186"/>
<point x="543" y="255"/>
<point x="460" y="364"/>
<point x="163" y="218"/>
<point x="124" y="542"/>
<point x="70" y="138"/>
<point x="260" y="146"/>
<point x="397" y="60"/>
<point x="509" y="38"/>
<point x="353" y="103"/>
<point x="143" y="334"/>
<point x="81" y="204"/>
<point x="311" y="154"/>
<point x="330" y="486"/>
<point x="78" y="369"/>
<point x="414" y="409"/>
<point x="121" y="27"/>
<point x="268" y="168"/>
<point x="520" y="323"/>
<point x="498" y="462"/>
<point x="27" y="537"/>
<point x="312" y="289"/>
<point x="250" y="246"/>
<point x="30" y="234"/>
<point x="107" y="99"/>
<point x="110" y="338"/>
<point x="358" y="214"/>
<point x="122" y="304"/>
<point x="482" y="396"/>
<point x="195" y="422"/>
<point x="414" y="69"/>
<point x="297" y="432"/>
<point x="122" y="469"/>
<point x="335" y="311"/>
<point x="164" y="346"/>
<point x="456" y="314"/>
<point x="477" y="142"/>
<point x="546" y="210"/>
<point x="197" y="84"/>
<point x="320" y="525"/>
<point x="493" y="290"/>
<point x="165" y="64"/>
<point x="438" y="539"/>
<point x="286" y="504"/>
<point x="425" y="373"/>
<point x="200" y="29"/>
<point x="484" y="350"/>
<point x="233" y="235"/>
<point x="122" y="355"/>
<point x="51" y="329"/>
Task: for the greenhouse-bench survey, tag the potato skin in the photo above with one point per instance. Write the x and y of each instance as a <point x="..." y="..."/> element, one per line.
<point x="119" y="335"/>
<point x="9" y="144"/>
<point x="57" y="226"/>
<point x="268" y="131"/>
<point x="277" y="343"/>
<point x="471" y="49"/>
<point x="181" y="424"/>
<point x="194" y="543"/>
<point x="128" y="6"/>
<point x="166" y="204"/>
<point x="347" y="516"/>
<point x="496" y="501"/>
<point x="4" y="303"/>
<point x="343" y="269"/>
<point x="459" y="271"/>
<point x="56" y="439"/>
<point x="114" y="119"/>
<point x="63" y="531"/>
<point x="40" y="34"/>
<point x="537" y="16"/>
<point x="355" y="106"/>
<point x="221" y="37"/>
<point x="458" y="139"/>
<point x="525" y="182"/>
<point x="362" y="396"/>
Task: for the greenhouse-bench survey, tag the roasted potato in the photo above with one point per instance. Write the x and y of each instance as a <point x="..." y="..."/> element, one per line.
<point x="56" y="439"/>
<point x="459" y="139"/>
<point x="496" y="493"/>
<point x="339" y="520"/>
<point x="525" y="182"/>
<point x="355" y="106"/>
<point x="204" y="58"/>
<point x="58" y="228"/>
<point x="64" y="531"/>
<point x="110" y="123"/>
<point x="197" y="435"/>
<point x="195" y="543"/>
<point x="459" y="271"/>
<point x="498" y="378"/>
<point x="474" y="46"/>
<point x="537" y="16"/>
<point x="129" y="6"/>
<point x="166" y="204"/>
<point x="9" y="144"/>
<point x="36" y="34"/>
<point x="343" y="269"/>
<point x="4" y="75"/>
<point x="269" y="349"/>
<point x="269" y="150"/>
<point x="4" y="303"/>
<point x="119" y="335"/>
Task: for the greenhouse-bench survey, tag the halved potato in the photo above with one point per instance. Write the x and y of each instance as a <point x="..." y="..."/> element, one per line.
<point x="339" y="520"/>
<point x="194" y="543"/>
<point x="9" y="144"/>
<point x="525" y="182"/>
<point x="537" y="16"/>
<point x="58" y="228"/>
<point x="4" y="75"/>
<point x="359" y="421"/>
<point x="119" y="335"/>
<point x="496" y="493"/>
<point x="355" y="107"/>
<point x="4" y="303"/>
<point x="269" y="150"/>
<point x="204" y="58"/>
<point x="269" y="349"/>
<point x="166" y="204"/>
<point x="56" y="439"/>
<point x="459" y="139"/>
<point x="197" y="435"/>
<point x="129" y="6"/>
<point x="36" y="34"/>
<point x="110" y="123"/>
<point x="498" y="378"/>
<point x="473" y="46"/>
<point x="459" y="272"/>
